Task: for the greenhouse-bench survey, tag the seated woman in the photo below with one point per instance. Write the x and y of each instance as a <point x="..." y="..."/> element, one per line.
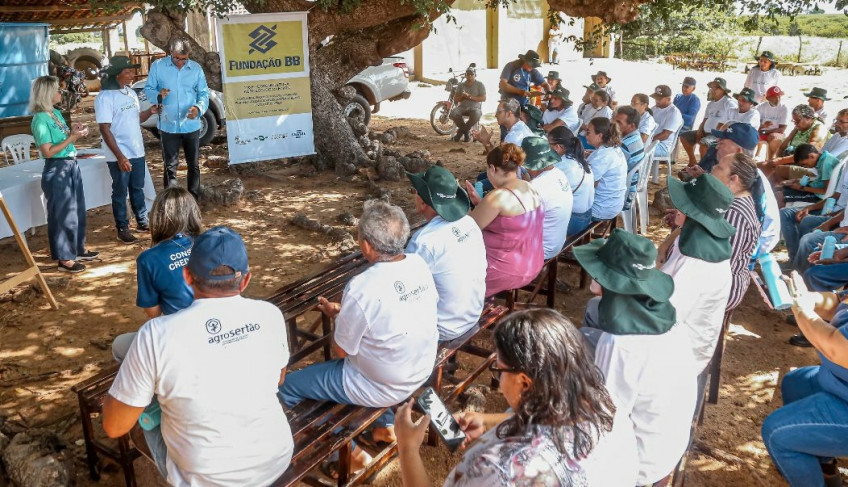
<point x="609" y="167"/>
<point x="806" y="435"/>
<point x="600" y="107"/>
<point x="808" y="130"/>
<point x="174" y="223"/>
<point x="511" y="217"/>
<point x="739" y="173"/>
<point x="563" y="432"/>
<point x="647" y="124"/>
<point x="579" y="175"/>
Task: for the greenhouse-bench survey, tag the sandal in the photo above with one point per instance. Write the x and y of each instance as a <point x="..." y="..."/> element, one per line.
<point x="330" y="468"/>
<point x="366" y="438"/>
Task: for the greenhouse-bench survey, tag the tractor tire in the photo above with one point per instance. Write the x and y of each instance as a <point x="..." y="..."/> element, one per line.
<point x="88" y="61"/>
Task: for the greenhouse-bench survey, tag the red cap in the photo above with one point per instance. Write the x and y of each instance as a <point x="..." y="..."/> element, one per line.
<point x="774" y="91"/>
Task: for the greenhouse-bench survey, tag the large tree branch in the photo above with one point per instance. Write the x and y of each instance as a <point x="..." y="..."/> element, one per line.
<point x="611" y="11"/>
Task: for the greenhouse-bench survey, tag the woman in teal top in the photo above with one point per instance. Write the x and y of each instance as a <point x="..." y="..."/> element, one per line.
<point x="61" y="180"/>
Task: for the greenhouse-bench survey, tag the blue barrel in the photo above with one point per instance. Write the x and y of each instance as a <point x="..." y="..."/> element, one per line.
<point x="24" y="55"/>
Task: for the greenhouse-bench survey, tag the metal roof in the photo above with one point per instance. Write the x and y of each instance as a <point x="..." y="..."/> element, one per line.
<point x="65" y="16"/>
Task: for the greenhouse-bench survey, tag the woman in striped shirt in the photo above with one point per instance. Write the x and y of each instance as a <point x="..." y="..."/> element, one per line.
<point x="739" y="173"/>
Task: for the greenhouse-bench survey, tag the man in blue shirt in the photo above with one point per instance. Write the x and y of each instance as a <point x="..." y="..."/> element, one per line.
<point x="184" y="98"/>
<point x="627" y="119"/>
<point x="688" y="103"/>
<point x="518" y="75"/>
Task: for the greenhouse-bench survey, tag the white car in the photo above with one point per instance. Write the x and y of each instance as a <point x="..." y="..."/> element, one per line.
<point x="214" y="117"/>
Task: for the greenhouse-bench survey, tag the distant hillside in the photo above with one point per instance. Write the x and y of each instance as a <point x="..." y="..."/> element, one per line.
<point x="819" y="25"/>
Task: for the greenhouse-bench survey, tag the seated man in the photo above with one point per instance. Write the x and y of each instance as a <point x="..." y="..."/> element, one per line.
<point x="221" y="355"/>
<point x="816" y="98"/>
<point x="641" y="350"/>
<point x="718" y="111"/>
<point x="470" y="95"/>
<point x="386" y="333"/>
<point x="451" y="244"/>
<point x="745" y="113"/>
<point x="554" y="190"/>
<point x="554" y="82"/>
<point x="627" y="119"/>
<point x="688" y="103"/>
<point x="508" y="116"/>
<point x="669" y="121"/>
<point x="560" y="112"/>
<point x="837" y="144"/>
<point x="774" y="118"/>
<point x="801" y="187"/>
<point x="806" y="435"/>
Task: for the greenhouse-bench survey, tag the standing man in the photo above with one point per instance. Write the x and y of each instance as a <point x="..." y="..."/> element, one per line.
<point x="518" y="75"/>
<point x="213" y="367"/>
<point x="470" y="95"/>
<point x="555" y="37"/>
<point x="184" y="98"/>
<point x="116" y="110"/>
<point x="668" y="118"/>
<point x="688" y="103"/>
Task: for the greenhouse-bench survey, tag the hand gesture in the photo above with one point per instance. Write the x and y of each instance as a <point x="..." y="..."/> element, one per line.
<point x="192" y="113"/>
<point x="164" y="92"/>
<point x="78" y="131"/>
<point x="328" y="307"/>
<point x="694" y="171"/>
<point x="801" y="215"/>
<point x="409" y="435"/>
<point x="153" y="109"/>
<point x="483" y="135"/>
<point x="674" y="218"/>
<point x="124" y="164"/>
<point x="802" y="298"/>
<point x="472" y="193"/>
<point x="472" y="425"/>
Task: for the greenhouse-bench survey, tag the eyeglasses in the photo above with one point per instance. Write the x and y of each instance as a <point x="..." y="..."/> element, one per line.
<point x="176" y="59"/>
<point x="497" y="371"/>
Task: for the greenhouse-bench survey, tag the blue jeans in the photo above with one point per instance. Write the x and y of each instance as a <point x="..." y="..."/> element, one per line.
<point x="157" y="447"/>
<point x="810" y="243"/>
<point x="824" y="278"/>
<point x="579" y="222"/>
<point x="793" y="230"/>
<point x="61" y="183"/>
<point x="132" y="182"/>
<point x="808" y="430"/>
<point x="323" y="381"/>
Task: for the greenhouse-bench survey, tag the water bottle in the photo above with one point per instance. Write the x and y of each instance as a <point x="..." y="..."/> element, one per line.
<point x="804" y="181"/>
<point x="478" y="186"/>
<point x="778" y="291"/>
<point x="828" y="247"/>
<point x="829" y="204"/>
<point x="151" y="417"/>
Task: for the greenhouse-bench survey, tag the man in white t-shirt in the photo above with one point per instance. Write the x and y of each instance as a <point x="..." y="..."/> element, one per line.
<point x="747" y="113"/>
<point x="508" y="115"/>
<point x="554" y="190"/>
<point x="386" y="333"/>
<point x="116" y="110"/>
<point x="718" y="111"/>
<point x="451" y="243"/>
<point x="560" y="111"/>
<point x="837" y="144"/>
<point x="669" y="121"/>
<point x="214" y="367"/>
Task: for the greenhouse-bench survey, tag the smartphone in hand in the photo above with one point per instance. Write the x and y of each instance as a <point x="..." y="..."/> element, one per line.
<point x="440" y="418"/>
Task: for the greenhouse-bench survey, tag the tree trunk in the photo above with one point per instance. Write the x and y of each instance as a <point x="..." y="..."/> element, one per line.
<point x="759" y="43"/>
<point x="800" y="46"/>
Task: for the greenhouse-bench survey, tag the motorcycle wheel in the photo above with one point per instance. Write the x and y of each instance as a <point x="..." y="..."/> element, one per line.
<point x="440" y="121"/>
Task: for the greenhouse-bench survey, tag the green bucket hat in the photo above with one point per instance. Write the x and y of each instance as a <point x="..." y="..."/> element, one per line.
<point x="553" y="75"/>
<point x="438" y="189"/>
<point x="768" y="55"/>
<point x="562" y="94"/>
<point x="625" y="263"/>
<point x="697" y="242"/>
<point x="601" y="73"/>
<point x="539" y="154"/>
<point x="720" y="82"/>
<point x="534" y="115"/>
<point x="531" y="57"/>
<point x="819" y="93"/>
<point x="118" y="64"/>
<point x="592" y="87"/>
<point x="704" y="199"/>
<point x="622" y="314"/>
<point x="747" y="94"/>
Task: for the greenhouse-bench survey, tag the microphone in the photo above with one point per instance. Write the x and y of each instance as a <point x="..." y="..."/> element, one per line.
<point x="159" y="102"/>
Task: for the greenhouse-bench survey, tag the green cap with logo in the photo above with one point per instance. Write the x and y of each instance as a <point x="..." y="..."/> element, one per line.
<point x="118" y="64"/>
<point x="539" y="154"/>
<point x="747" y="94"/>
<point x="819" y="93"/>
<point x="720" y="82"/>
<point x="704" y="199"/>
<point x="531" y="57"/>
<point x="562" y="94"/>
<point x="437" y="187"/>
<point x="768" y="55"/>
<point x="625" y="263"/>
<point x="534" y="117"/>
<point x="553" y="75"/>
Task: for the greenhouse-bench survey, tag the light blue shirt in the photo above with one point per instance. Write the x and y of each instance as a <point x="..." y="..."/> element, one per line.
<point x="188" y="89"/>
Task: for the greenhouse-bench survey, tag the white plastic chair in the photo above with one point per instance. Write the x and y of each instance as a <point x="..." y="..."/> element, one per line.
<point x="638" y="212"/>
<point x="832" y="183"/>
<point x="669" y="159"/>
<point x="19" y="146"/>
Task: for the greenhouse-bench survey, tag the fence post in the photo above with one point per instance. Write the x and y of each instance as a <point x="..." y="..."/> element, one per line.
<point x="838" y="52"/>
<point x="800" y="45"/>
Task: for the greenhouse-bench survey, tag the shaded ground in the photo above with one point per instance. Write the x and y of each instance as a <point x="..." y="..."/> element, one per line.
<point x="44" y="352"/>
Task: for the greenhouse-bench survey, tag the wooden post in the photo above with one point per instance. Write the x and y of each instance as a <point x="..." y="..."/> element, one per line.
<point x="32" y="270"/>
<point x="838" y="52"/>
<point x="126" y="39"/>
<point x="492" y="23"/>
<point x="800" y="45"/>
<point x="759" y="43"/>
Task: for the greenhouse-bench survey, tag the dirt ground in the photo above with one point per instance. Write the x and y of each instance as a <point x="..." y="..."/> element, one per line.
<point x="44" y="352"/>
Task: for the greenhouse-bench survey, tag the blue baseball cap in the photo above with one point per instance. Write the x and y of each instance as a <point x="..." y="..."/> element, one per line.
<point x="216" y="247"/>
<point x="741" y="134"/>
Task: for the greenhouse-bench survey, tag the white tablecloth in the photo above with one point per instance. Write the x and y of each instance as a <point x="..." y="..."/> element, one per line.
<point x="20" y="185"/>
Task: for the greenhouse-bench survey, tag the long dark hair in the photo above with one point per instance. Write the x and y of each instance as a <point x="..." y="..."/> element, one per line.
<point x="573" y="147"/>
<point x="609" y="131"/>
<point x="174" y="211"/>
<point x="567" y="392"/>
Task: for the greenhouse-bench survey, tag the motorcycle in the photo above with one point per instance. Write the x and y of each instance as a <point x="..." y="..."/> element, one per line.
<point x="74" y="86"/>
<point x="440" y="114"/>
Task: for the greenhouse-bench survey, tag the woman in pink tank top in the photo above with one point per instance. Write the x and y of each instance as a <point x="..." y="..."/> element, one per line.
<point x="511" y="217"/>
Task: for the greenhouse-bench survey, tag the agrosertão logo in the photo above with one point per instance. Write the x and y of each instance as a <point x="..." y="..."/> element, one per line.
<point x="213" y="326"/>
<point x="262" y="39"/>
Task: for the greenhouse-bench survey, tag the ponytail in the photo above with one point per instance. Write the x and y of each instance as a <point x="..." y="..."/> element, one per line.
<point x="573" y="147"/>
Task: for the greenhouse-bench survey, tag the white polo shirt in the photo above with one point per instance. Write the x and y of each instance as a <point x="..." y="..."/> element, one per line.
<point x="701" y="290"/>
<point x="719" y="112"/>
<point x="387" y="327"/>
<point x="120" y="108"/>
<point x="456" y="255"/>
<point x="568" y="116"/>
<point x="517" y="133"/>
<point x="668" y="118"/>
<point x="652" y="380"/>
<point x="760" y="81"/>
<point x="591" y="112"/>
<point x="215" y="367"/>
<point x="836" y="145"/>
<point x="751" y="117"/>
<point x="647" y="124"/>
<point x="557" y="200"/>
<point x="777" y="115"/>
<point x="609" y="168"/>
<point x="582" y="183"/>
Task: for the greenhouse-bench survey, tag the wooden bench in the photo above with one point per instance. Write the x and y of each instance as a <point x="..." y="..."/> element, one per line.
<point x="600" y="229"/>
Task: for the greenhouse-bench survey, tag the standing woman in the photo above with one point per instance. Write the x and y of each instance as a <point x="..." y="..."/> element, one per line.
<point x="763" y="76"/>
<point x="579" y="174"/>
<point x="61" y="181"/>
